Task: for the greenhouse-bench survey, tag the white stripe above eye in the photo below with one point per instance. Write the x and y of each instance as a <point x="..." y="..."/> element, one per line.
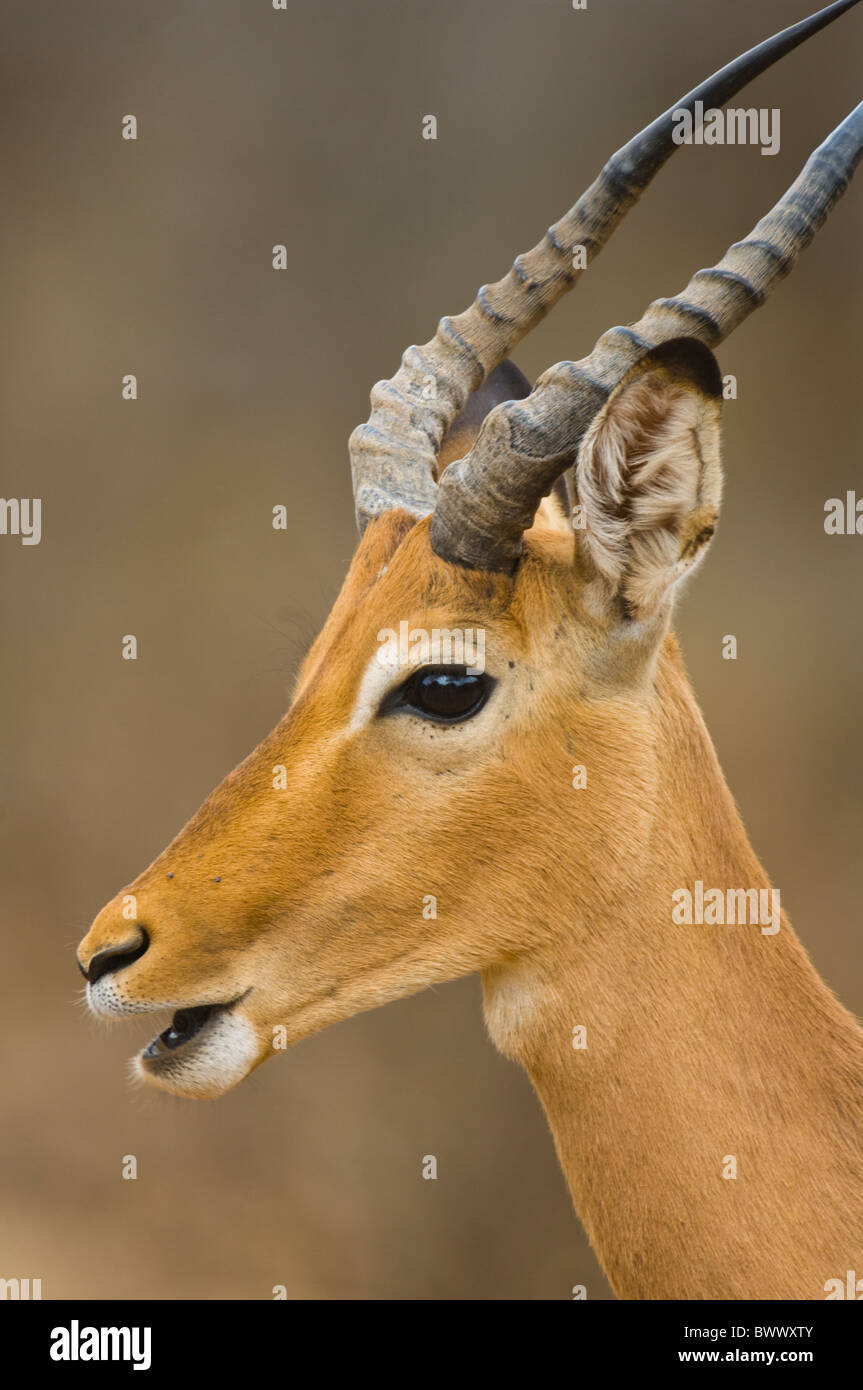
<point x="399" y="652"/>
<point x="378" y="677"/>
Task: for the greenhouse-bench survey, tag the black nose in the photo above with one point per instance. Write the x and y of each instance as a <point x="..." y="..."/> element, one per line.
<point x="112" y="958"/>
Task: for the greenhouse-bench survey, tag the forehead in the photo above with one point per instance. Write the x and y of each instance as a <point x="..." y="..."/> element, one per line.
<point x="396" y="571"/>
<point x="396" y="578"/>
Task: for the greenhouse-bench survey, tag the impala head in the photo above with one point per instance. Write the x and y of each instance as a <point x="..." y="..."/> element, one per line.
<point x="499" y="627"/>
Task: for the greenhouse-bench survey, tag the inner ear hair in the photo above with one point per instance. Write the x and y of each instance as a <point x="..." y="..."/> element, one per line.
<point x="648" y="475"/>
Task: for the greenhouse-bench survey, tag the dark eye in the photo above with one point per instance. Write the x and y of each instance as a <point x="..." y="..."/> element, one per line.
<point x="446" y="694"/>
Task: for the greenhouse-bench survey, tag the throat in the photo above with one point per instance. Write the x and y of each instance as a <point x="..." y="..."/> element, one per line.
<point x="703" y="1086"/>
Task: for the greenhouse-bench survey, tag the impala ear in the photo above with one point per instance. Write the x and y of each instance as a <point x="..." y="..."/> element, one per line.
<point x="505" y="383"/>
<point x="648" y="475"/>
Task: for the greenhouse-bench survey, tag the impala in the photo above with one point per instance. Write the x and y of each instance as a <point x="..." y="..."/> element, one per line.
<point x="533" y="820"/>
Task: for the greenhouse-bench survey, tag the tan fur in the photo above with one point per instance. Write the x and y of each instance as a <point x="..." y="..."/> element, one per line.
<point x="702" y="1041"/>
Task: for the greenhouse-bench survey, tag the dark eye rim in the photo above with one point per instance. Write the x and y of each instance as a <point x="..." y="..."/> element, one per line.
<point x="399" y="700"/>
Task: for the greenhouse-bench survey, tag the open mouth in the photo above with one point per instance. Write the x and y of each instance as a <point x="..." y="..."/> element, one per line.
<point x="186" y="1026"/>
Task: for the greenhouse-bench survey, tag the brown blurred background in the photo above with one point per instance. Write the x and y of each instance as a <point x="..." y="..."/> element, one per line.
<point x="304" y="127"/>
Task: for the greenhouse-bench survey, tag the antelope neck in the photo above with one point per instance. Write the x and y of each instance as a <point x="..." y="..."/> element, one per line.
<point x="709" y="1117"/>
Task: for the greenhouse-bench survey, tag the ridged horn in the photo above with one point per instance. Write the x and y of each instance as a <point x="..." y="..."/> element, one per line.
<point x="485" y="502"/>
<point x="393" y="455"/>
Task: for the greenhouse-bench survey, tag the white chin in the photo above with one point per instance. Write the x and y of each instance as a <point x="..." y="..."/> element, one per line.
<point x="215" y="1059"/>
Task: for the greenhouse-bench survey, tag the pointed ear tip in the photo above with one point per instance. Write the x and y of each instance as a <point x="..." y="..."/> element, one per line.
<point x="688" y="358"/>
<point x="507" y="374"/>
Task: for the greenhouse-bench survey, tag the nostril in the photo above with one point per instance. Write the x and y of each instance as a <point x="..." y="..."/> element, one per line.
<point x="112" y="958"/>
